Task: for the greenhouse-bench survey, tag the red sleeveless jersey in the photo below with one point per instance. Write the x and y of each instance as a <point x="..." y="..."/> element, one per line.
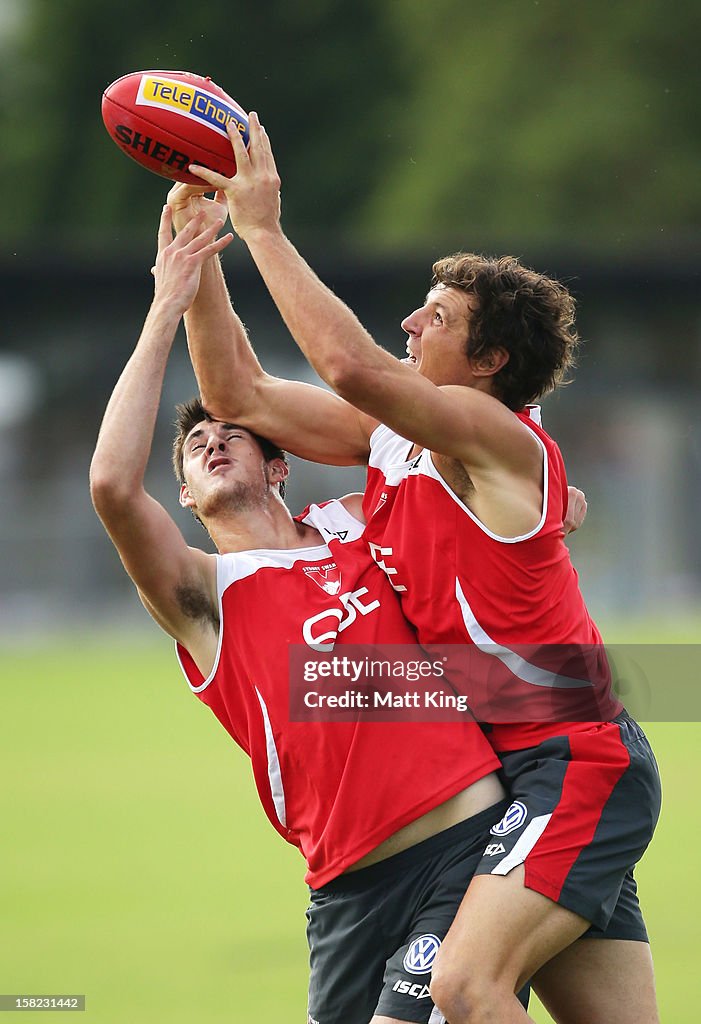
<point x="517" y="600"/>
<point x="336" y="790"/>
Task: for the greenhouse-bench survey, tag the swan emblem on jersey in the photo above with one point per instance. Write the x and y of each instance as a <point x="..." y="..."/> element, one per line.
<point x="380" y="502"/>
<point x="328" y="577"/>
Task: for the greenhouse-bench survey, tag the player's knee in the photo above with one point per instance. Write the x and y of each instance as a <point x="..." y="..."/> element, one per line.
<point x="457" y="995"/>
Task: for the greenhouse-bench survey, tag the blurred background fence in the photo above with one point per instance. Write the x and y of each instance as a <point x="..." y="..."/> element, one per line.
<point x="629" y="426"/>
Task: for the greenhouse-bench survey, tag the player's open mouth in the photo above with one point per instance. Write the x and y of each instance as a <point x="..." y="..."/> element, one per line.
<point x="216" y="463"/>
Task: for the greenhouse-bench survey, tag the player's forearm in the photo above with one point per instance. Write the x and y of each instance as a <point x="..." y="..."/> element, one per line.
<point x="326" y="330"/>
<point x="225" y="365"/>
<point x="125" y="438"/>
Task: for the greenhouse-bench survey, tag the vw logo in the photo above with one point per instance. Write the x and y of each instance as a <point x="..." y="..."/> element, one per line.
<point x="515" y="816"/>
<point x="421" y="954"/>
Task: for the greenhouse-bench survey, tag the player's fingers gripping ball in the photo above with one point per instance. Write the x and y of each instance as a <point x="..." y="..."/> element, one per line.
<point x="167" y="120"/>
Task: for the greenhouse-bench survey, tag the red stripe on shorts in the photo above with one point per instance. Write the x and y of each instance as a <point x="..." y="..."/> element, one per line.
<point x="598" y="759"/>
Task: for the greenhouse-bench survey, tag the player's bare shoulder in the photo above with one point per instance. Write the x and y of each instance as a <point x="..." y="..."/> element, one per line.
<point x="500" y="479"/>
<point x="495" y="437"/>
<point x="353" y="504"/>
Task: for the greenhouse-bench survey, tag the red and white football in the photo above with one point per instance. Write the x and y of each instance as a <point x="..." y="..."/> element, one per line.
<point x="167" y="120"/>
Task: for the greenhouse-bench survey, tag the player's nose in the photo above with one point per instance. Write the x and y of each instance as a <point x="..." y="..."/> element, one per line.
<point x="412" y="323"/>
<point x="215" y="444"/>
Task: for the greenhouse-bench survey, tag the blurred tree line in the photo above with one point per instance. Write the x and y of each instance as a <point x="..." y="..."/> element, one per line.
<point x="392" y="120"/>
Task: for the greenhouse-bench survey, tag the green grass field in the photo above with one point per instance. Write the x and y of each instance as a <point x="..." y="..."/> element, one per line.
<point x="138" y="869"/>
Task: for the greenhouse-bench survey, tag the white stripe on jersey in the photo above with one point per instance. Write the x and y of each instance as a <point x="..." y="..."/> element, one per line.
<point x="238" y="565"/>
<point x="521" y="668"/>
<point x="274" y="771"/>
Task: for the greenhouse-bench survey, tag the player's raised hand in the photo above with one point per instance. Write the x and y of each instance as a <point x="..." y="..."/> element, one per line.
<point x="188" y="200"/>
<point x="576" y="509"/>
<point x="253" y="194"/>
<point x="179" y="261"/>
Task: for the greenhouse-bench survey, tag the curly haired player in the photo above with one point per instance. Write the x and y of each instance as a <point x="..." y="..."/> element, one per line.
<point x="465" y="503"/>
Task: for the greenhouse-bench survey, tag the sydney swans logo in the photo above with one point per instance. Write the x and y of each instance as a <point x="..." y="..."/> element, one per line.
<point x="328" y="577"/>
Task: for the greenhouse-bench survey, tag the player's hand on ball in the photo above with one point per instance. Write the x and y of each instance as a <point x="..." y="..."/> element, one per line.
<point x="179" y="261"/>
<point x="253" y="194"/>
<point x="186" y="201"/>
<point x="576" y="509"/>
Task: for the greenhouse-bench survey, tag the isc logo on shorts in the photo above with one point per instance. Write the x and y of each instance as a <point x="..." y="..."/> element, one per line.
<point x="494" y="849"/>
<point x="407" y="989"/>
<point x="421" y="953"/>
<point x="514" y="817"/>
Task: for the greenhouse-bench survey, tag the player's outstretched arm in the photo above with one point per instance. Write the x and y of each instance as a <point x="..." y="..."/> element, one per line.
<point x="225" y="364"/>
<point x="305" y="420"/>
<point x="456" y="421"/>
<point x="151" y="547"/>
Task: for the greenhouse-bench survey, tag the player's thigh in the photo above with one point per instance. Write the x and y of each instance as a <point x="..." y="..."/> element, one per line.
<point x="505" y="932"/>
<point x="607" y="974"/>
<point x="596" y="981"/>
<point x="406" y="993"/>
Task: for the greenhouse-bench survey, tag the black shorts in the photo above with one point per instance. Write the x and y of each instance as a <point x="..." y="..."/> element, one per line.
<point x="584" y="808"/>
<point x="374" y="933"/>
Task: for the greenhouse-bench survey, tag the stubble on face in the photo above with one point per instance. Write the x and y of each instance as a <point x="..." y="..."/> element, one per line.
<point x="233" y="497"/>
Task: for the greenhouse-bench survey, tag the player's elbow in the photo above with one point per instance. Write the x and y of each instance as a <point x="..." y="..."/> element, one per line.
<point x="233" y="401"/>
<point x="354" y="365"/>
<point x="109" y="494"/>
<point x="346" y="375"/>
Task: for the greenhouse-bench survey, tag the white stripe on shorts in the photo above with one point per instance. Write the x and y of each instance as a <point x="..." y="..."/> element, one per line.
<point x="530" y="836"/>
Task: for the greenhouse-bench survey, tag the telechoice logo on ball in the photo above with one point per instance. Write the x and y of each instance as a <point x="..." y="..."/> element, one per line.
<point x="197" y="104"/>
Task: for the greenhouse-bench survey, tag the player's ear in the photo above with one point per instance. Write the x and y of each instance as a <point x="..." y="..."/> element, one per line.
<point x="186" y="499"/>
<point x="489" y="363"/>
<point x="278" y="470"/>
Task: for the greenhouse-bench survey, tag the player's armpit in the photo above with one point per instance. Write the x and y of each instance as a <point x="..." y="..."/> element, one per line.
<point x="164" y="569"/>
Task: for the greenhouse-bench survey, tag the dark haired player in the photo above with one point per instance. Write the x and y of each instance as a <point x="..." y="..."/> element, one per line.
<point x="465" y="502"/>
<point x="391" y="817"/>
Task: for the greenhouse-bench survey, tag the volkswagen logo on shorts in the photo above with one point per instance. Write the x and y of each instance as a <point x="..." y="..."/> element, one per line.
<point x="421" y="954"/>
<point x="514" y="817"/>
